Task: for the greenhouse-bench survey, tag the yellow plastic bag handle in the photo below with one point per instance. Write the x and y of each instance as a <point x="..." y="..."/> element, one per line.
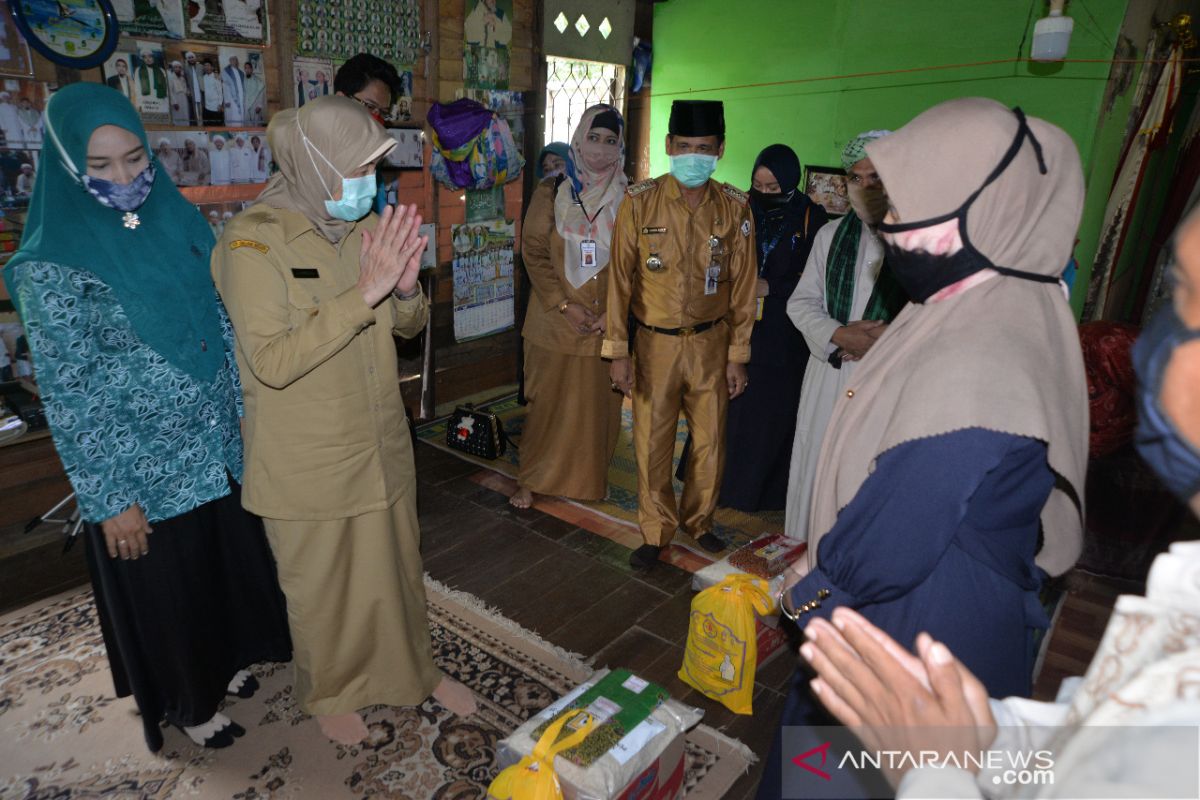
<point x="546" y="748"/>
<point x="752" y="588"/>
<point x="533" y="778"/>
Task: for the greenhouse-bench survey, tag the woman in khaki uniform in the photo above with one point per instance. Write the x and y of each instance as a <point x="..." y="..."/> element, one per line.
<point x="315" y="287"/>
<point x="574" y="415"/>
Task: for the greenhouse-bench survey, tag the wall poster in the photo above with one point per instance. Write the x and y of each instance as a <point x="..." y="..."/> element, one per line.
<point x="483" y="278"/>
<point x="338" y="29"/>
<point x="232" y="21"/>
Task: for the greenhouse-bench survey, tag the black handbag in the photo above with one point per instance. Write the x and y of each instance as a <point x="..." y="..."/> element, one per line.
<point x="478" y="433"/>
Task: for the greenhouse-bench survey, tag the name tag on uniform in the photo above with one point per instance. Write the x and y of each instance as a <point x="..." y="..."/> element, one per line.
<point x="587" y="254"/>
<point x="305" y="272"/>
<point x="711" y="276"/>
<point x="654" y="229"/>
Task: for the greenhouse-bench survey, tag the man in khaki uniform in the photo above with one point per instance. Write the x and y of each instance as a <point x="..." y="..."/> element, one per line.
<point x="683" y="265"/>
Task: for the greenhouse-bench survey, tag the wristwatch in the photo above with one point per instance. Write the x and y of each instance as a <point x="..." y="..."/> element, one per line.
<point x="562" y="307"/>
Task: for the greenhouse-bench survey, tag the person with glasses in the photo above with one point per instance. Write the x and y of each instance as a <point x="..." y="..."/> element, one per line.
<point x="371" y="81"/>
<point x="842" y="304"/>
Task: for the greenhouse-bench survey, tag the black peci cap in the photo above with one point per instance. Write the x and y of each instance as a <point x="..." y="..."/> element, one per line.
<point x="697" y="118"/>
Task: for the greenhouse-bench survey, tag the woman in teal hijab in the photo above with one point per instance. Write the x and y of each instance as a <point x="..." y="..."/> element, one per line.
<point x="134" y="361"/>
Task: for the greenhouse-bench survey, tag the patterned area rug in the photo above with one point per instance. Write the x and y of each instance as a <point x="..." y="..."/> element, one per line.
<point x="63" y="734"/>
<point x="734" y="527"/>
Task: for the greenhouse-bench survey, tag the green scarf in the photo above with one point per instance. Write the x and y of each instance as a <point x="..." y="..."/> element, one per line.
<point x="887" y="298"/>
<point x="158" y="271"/>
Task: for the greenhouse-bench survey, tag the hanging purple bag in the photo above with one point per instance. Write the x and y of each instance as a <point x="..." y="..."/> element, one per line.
<point x="472" y="147"/>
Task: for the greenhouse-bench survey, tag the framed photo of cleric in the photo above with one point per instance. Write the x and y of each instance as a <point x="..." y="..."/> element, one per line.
<point x="136" y="70"/>
<point x="228" y="21"/>
<point x="826" y="186"/>
<point x="160" y="18"/>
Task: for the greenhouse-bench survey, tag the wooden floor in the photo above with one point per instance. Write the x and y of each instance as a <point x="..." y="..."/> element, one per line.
<point x="574" y="588"/>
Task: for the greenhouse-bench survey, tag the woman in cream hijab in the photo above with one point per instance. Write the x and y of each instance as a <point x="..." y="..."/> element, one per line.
<point x="951" y="480"/>
<point x="574" y="416"/>
<point x="316" y="286"/>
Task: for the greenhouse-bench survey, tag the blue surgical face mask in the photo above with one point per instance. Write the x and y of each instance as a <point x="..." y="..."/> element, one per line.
<point x="121" y="196"/>
<point x="358" y="194"/>
<point x="693" y="169"/>
<point x="1158" y="441"/>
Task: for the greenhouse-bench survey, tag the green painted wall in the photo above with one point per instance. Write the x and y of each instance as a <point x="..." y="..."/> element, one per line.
<point x="703" y="45"/>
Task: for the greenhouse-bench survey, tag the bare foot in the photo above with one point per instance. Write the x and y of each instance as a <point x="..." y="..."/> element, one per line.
<point x="344" y="729"/>
<point x="522" y="499"/>
<point x="454" y="696"/>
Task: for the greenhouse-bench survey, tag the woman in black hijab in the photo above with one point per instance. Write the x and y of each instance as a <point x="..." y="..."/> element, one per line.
<point x="761" y="423"/>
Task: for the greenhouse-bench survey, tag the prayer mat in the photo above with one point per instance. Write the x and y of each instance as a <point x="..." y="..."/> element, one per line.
<point x="64" y="735"/>
<point x="735" y="528"/>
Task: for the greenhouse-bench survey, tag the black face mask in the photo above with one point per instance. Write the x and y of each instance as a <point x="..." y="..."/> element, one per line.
<point x="770" y="202"/>
<point x="923" y="275"/>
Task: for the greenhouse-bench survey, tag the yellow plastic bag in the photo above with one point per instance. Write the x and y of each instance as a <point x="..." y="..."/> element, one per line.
<point x="722" y="645"/>
<point x="533" y="778"/>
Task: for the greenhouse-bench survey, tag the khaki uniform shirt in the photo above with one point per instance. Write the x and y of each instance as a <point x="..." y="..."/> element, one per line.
<point x="656" y="228"/>
<point x="542" y="253"/>
<point x="326" y="434"/>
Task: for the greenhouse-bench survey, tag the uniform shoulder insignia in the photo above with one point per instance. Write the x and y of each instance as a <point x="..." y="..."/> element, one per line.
<point x="635" y="189"/>
<point x="735" y="194"/>
<point x="259" y="246"/>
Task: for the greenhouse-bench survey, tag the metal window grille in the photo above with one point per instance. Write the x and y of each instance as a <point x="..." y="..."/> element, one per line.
<point x="572" y="86"/>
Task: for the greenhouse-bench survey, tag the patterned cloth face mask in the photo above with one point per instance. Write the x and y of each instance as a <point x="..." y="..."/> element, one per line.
<point x="121" y="196"/>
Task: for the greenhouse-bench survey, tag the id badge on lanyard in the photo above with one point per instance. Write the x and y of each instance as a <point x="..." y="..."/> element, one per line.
<point x="587" y="254"/>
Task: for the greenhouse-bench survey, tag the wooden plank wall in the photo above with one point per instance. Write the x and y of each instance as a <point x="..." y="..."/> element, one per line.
<point x="465" y="368"/>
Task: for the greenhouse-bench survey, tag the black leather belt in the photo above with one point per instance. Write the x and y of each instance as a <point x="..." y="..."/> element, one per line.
<point x="688" y="331"/>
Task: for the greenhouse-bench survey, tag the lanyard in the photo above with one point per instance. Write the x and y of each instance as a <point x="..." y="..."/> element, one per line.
<point x="591" y="219"/>
<point x="765" y="249"/>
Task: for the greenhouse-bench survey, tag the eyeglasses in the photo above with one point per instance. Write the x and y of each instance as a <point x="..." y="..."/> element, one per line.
<point x="383" y="113"/>
<point x="855" y="178"/>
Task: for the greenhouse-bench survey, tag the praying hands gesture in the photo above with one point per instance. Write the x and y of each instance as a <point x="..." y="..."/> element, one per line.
<point x="896" y="701"/>
<point x="390" y="260"/>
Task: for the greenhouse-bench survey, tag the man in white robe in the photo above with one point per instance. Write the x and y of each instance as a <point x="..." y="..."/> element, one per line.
<point x="834" y="345"/>
<point x="262" y="159"/>
<point x="241" y="161"/>
<point x="256" y="96"/>
<point x="169" y="159"/>
<point x="194" y="74"/>
<point x="214" y="96"/>
<point x="233" y="81"/>
<point x="220" y="163"/>
<point x="177" y="91"/>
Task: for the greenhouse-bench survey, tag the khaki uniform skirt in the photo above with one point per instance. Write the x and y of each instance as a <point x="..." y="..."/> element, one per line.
<point x="571" y="424"/>
<point x="356" y="605"/>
